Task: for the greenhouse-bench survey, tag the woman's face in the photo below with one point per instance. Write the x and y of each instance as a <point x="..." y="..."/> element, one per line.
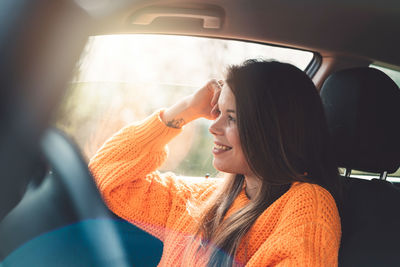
<point x="227" y="150"/>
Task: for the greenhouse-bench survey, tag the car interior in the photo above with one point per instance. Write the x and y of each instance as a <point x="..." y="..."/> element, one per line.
<point x="51" y="213"/>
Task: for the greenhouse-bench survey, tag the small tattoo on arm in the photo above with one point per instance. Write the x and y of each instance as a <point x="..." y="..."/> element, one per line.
<point x="176" y="123"/>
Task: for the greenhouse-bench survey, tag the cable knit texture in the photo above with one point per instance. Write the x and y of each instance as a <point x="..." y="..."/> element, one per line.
<point x="301" y="228"/>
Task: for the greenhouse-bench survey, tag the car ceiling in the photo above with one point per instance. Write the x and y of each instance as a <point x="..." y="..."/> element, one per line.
<point x="351" y="28"/>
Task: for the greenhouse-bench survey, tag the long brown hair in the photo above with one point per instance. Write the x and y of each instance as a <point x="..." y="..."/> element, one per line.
<point x="284" y="137"/>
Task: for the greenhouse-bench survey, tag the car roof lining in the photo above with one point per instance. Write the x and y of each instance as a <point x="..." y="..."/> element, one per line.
<point x="345" y="28"/>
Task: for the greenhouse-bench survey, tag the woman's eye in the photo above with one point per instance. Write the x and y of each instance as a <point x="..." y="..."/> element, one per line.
<point x="232" y="119"/>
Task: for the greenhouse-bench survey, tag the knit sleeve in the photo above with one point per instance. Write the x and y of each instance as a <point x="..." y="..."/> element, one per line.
<point x="308" y="235"/>
<point x="125" y="172"/>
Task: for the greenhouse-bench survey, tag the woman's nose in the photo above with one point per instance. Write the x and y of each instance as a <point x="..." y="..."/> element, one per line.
<point x="215" y="128"/>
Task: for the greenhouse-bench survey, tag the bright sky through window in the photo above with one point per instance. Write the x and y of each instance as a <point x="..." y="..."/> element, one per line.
<point x="149" y="58"/>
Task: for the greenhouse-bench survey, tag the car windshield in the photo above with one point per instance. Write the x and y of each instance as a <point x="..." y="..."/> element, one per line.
<point x="124" y="78"/>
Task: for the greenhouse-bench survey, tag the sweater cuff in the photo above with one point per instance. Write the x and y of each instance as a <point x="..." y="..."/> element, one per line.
<point x="154" y="130"/>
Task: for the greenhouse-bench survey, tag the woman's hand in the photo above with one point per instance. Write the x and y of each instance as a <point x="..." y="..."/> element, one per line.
<point x="198" y="105"/>
<point x="203" y="101"/>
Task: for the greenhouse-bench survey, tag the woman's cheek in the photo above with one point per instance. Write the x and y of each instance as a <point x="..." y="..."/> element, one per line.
<point x="232" y="134"/>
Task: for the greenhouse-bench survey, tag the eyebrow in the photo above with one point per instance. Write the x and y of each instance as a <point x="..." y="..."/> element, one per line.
<point x="230" y="111"/>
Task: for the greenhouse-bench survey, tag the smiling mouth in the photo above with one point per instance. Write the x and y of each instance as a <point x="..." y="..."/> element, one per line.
<point x="218" y="149"/>
<point x="222" y="147"/>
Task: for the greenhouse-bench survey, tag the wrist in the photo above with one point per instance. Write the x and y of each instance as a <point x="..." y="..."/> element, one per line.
<point x="179" y="114"/>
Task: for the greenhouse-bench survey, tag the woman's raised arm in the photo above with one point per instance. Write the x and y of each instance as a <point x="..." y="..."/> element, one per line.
<point x="125" y="166"/>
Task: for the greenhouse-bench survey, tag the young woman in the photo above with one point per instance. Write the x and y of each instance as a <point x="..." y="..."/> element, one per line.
<point x="275" y="207"/>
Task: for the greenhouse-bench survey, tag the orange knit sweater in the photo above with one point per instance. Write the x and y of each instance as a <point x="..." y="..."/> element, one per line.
<point x="301" y="228"/>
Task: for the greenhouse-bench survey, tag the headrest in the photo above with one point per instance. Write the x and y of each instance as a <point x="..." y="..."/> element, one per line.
<point x="362" y="107"/>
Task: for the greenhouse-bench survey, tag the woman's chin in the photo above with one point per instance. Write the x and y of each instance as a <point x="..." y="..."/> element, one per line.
<point x="221" y="166"/>
<point x="227" y="166"/>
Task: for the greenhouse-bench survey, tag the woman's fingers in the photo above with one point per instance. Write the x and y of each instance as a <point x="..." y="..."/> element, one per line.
<point x="217" y="86"/>
<point x="217" y="91"/>
<point x="215" y="98"/>
<point x="203" y="101"/>
<point x="214" y="112"/>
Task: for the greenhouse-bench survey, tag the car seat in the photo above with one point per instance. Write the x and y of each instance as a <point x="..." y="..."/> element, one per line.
<point x="362" y="106"/>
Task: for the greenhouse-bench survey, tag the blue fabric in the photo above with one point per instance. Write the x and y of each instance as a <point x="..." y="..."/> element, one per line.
<point x="69" y="246"/>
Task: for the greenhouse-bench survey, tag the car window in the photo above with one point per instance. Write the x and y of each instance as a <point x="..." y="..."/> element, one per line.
<point x="393" y="177"/>
<point x="395" y="76"/>
<point x="124" y="78"/>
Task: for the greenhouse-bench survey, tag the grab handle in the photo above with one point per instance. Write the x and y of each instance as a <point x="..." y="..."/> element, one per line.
<point x="211" y="20"/>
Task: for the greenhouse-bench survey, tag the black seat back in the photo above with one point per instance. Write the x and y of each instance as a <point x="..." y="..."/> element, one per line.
<point x="362" y="107"/>
<point x="370" y="224"/>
